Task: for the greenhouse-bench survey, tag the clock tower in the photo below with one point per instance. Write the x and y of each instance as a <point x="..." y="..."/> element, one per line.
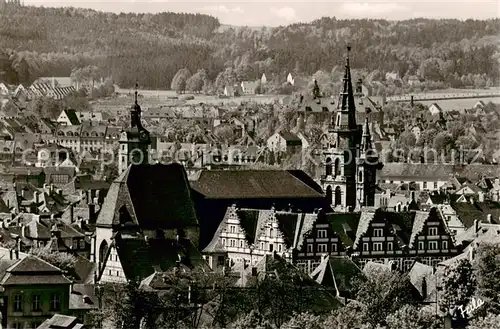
<point x="135" y="142"/>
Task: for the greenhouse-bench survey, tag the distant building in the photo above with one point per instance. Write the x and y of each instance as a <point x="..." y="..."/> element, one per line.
<point x="55" y="81"/>
<point x="4" y="90"/>
<point x="232" y="91"/>
<point x="249" y="87"/>
<point x="68" y="117"/>
<point x="413" y="80"/>
<point x="434" y="109"/>
<point x="284" y="142"/>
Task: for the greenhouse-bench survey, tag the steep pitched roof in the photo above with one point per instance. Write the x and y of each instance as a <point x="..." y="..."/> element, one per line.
<point x="72" y="116"/>
<point x="243" y="184"/>
<point x="337" y="272"/>
<point x="156" y="196"/>
<point x="468" y="212"/>
<point x="60" y="321"/>
<point x="33" y="270"/>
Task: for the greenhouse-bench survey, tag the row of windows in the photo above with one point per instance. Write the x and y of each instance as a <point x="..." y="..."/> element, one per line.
<point x="321" y="247"/>
<point x="78" y="244"/>
<point x="379" y="246"/>
<point x="36" y="305"/>
<point x="377" y="232"/>
<point x="425" y="184"/>
<point x="263" y="246"/>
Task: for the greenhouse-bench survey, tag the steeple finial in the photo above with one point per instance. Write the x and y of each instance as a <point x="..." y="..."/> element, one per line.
<point x="347" y="57"/>
<point x="136" y="93"/>
<point x="346" y="104"/>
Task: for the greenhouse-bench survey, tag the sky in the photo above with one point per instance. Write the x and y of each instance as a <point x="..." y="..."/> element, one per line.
<point x="275" y="13"/>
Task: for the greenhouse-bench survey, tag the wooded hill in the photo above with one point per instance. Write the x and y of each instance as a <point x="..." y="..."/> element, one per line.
<point x="151" y="48"/>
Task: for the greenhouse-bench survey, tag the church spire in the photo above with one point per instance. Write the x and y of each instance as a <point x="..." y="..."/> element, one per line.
<point x="346" y="120"/>
<point x="135" y="114"/>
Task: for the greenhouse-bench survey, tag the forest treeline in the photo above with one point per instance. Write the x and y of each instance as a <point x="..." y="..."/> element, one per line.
<point x="152" y="48"/>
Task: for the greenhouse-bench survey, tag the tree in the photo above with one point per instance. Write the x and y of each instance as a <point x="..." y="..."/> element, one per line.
<point x="490" y="321"/>
<point x="253" y="320"/>
<point x="197" y="81"/>
<point x="46" y="107"/>
<point x="410" y="317"/>
<point x="383" y="293"/>
<point x="487" y="272"/>
<point x="66" y="262"/>
<point x="179" y="81"/>
<point x="406" y="140"/>
<point x="303" y="321"/>
<point x="458" y="284"/>
<point x="443" y="142"/>
<point x="350" y="316"/>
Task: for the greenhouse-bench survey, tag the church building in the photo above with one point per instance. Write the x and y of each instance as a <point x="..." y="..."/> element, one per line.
<point x="349" y="160"/>
<point x="147" y="223"/>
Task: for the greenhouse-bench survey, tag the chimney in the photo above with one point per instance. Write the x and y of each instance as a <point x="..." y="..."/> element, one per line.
<point x="23" y="230"/>
<point x="481" y="196"/>
<point x="92" y="214"/>
<point x="489" y="218"/>
<point x="92" y="246"/>
<point x="476" y="225"/>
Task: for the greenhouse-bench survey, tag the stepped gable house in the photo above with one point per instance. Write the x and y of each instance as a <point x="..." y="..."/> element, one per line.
<point x="213" y="191"/>
<point x="147" y="222"/>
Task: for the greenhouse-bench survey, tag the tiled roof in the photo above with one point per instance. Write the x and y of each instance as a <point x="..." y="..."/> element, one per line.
<point x="156" y="196"/>
<point x="364" y="223"/>
<point x="33" y="270"/>
<point x="243" y="184"/>
<point x="60" y="321"/>
<point x="468" y="212"/>
<point x="421" y="273"/>
<point x="73" y="118"/>
<point x="289" y="137"/>
<point x="418" y="225"/>
<point x="345" y="225"/>
<point x="338" y="273"/>
<point x="416" y="171"/>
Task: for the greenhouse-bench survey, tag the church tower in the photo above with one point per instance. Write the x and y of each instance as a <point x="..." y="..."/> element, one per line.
<point x="349" y="161"/>
<point x="134" y="142"/>
<point x="368" y="163"/>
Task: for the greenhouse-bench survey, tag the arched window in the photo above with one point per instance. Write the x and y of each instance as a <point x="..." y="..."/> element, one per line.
<point x="103" y="250"/>
<point x="338" y="196"/>
<point x="329" y="195"/>
<point x="329" y="169"/>
<point x="337" y="167"/>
